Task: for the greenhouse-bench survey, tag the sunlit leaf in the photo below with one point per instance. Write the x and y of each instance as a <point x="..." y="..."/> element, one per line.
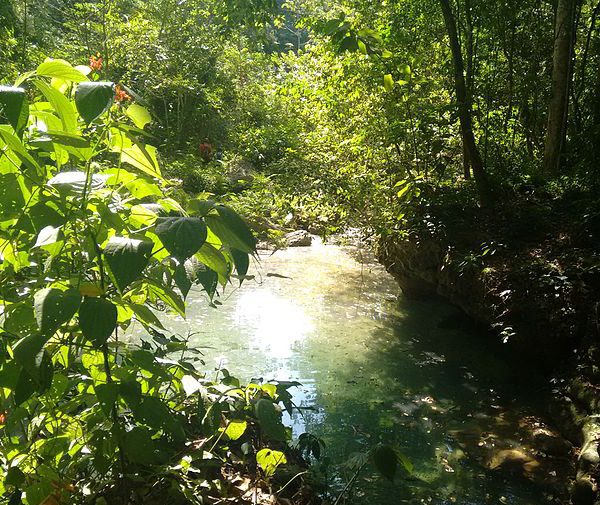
<point x="269" y="460"/>
<point x="60" y="69"/>
<point x="139" y="115"/>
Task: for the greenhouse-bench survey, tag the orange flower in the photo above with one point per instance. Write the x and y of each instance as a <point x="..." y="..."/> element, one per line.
<point x="2" y="417"/>
<point x="96" y="62"/>
<point x="121" y="95"/>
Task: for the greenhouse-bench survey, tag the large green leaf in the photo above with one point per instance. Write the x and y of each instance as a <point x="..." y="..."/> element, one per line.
<point x="181" y="236"/>
<point x="143" y="158"/>
<point x="235" y="429"/>
<point x="213" y="259"/>
<point x="126" y="259"/>
<point x="138" y="114"/>
<point x="26" y="349"/>
<point x="231" y="229"/>
<point x="67" y="139"/>
<point x="183" y="281"/>
<point x="15" y="145"/>
<point x="25" y="388"/>
<point x="61" y="105"/>
<point x="14" y="107"/>
<point x="60" y="69"/>
<point x="107" y="395"/>
<point x="242" y="263"/>
<point x="97" y="319"/>
<point x="93" y="99"/>
<point x="269" y="460"/>
<point x="54" y="307"/>
<point x="270" y="420"/>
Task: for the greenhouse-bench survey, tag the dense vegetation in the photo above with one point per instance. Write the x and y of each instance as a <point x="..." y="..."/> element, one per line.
<point x="400" y="118"/>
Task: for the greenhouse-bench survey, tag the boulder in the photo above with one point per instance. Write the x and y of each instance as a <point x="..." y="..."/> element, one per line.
<point x="299" y="238"/>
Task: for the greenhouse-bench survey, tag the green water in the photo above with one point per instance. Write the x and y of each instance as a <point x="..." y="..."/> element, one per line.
<point x="374" y="367"/>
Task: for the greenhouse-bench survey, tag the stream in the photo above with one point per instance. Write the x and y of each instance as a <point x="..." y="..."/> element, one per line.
<point x="376" y="367"/>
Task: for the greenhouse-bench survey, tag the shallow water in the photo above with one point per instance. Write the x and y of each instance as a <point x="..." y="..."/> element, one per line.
<point x="374" y="367"/>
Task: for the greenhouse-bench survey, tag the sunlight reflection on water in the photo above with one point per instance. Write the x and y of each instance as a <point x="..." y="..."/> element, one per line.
<point x="373" y="366"/>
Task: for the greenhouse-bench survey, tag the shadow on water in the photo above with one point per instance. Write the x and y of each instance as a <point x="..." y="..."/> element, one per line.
<point x="376" y="367"/>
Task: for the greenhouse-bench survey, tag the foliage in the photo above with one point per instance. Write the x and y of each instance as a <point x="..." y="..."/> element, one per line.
<point x="93" y="245"/>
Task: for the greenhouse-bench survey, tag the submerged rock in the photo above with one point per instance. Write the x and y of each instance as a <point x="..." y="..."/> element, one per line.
<point x="513" y="460"/>
<point x="299" y="238"/>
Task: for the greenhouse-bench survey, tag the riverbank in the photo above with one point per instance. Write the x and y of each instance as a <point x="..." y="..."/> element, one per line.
<point x="532" y="274"/>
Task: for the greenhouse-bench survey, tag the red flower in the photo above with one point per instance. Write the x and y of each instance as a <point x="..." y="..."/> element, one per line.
<point x="121" y="95"/>
<point x="96" y="63"/>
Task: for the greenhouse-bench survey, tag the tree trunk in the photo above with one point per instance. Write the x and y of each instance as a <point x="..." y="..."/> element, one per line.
<point x="464" y="108"/>
<point x="561" y="78"/>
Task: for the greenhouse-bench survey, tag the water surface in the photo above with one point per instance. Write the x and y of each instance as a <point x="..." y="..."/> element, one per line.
<point x="374" y="367"/>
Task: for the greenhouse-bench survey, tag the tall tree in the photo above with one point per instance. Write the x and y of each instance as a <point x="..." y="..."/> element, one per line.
<point x="464" y="108"/>
<point x="561" y="79"/>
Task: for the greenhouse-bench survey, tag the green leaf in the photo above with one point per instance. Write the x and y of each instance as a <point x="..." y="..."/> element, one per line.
<point x="231" y="229"/>
<point x="143" y="158"/>
<point x="183" y="281"/>
<point x="235" y="429"/>
<point x="54" y="307"/>
<point x="153" y="412"/>
<point x="15" y="145"/>
<point x="12" y="200"/>
<point x="385" y="460"/>
<point x="60" y="69"/>
<point x="209" y="279"/>
<point x="145" y="316"/>
<point x="213" y="259"/>
<point x="181" y="236"/>
<point x="67" y="139"/>
<point x="126" y="259"/>
<point x="14" y="477"/>
<point x="131" y="391"/>
<point x="139" y="115"/>
<point x="61" y="105"/>
<point x="25" y="388"/>
<point x="270" y="420"/>
<point x="97" y="319"/>
<point x="139" y="446"/>
<point x="14" y="107"/>
<point x="93" y="99"/>
<point x="26" y="349"/>
<point x="35" y="361"/>
<point x="168" y="296"/>
<point x="388" y="82"/>
<point x="242" y="263"/>
<point x="269" y="460"/>
<point x="107" y="395"/>
<point x="350" y="44"/>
